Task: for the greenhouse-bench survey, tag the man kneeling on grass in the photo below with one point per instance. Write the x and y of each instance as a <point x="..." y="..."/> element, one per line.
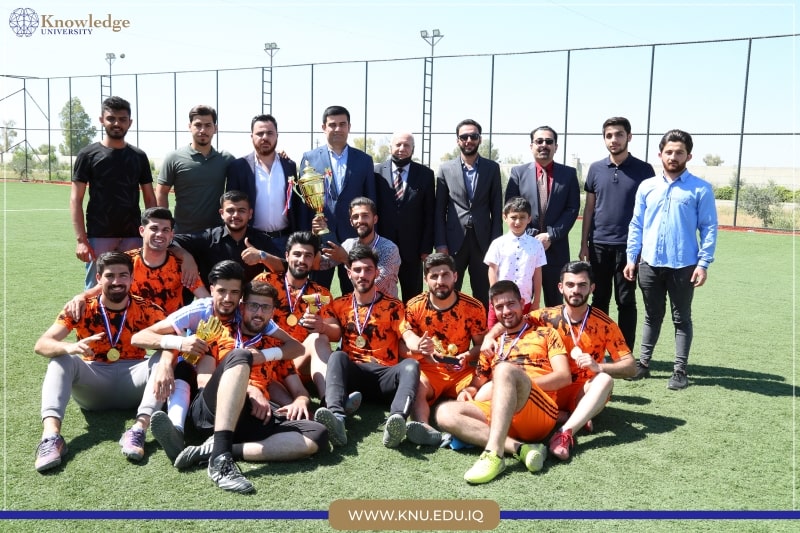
<point x="525" y="371"/>
<point x="223" y="373"/>
<point x="102" y="369"/>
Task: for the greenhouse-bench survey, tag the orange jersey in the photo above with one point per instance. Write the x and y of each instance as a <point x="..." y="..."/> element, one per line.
<point x="457" y="325"/>
<point x="283" y="309"/>
<point x="382" y="331"/>
<point x="140" y="314"/>
<point x="601" y="335"/>
<point x="162" y="284"/>
<point x="261" y="375"/>
<point x="532" y="351"/>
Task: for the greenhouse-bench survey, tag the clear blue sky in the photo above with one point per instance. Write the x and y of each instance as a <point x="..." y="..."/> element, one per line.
<point x="169" y="36"/>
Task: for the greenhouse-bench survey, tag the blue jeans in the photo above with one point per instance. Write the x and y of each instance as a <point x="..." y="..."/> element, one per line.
<point x="656" y="283"/>
<point x="107" y="244"/>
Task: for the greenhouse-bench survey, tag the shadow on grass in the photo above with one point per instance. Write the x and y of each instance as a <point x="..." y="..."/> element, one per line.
<point x="730" y="378"/>
<point x="103" y="426"/>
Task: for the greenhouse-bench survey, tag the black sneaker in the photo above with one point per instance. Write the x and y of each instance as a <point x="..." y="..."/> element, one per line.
<point x="168" y="436"/>
<point x="678" y="381"/>
<point x="224" y="472"/>
<point x="191" y="455"/>
<point x="641" y="372"/>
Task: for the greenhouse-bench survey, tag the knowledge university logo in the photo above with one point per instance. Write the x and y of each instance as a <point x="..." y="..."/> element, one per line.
<point x="23" y="21"/>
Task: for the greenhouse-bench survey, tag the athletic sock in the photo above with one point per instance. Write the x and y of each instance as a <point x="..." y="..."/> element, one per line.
<point x="178" y="404"/>
<point x="223" y="443"/>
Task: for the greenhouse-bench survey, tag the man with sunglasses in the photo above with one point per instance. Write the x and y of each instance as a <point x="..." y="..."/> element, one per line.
<point x="610" y="187"/>
<point x="554" y="193"/>
<point x="469" y="203"/>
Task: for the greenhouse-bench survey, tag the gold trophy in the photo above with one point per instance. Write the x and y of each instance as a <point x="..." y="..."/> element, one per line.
<point x="311" y="188"/>
<point x="315" y="302"/>
<point x="207" y="330"/>
<point x="446" y="356"/>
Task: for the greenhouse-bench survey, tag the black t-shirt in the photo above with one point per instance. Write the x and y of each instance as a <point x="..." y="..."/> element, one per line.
<point x="114" y="177"/>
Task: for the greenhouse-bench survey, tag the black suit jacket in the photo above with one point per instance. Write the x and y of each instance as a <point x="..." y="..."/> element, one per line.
<point x="562" y="206"/>
<point x="453" y="207"/>
<point x="359" y="180"/>
<point x="242" y="177"/>
<point x="409" y="223"/>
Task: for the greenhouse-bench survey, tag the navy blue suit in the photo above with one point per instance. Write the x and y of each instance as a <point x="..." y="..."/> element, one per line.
<point x="359" y="180"/>
<point x="563" y="206"/>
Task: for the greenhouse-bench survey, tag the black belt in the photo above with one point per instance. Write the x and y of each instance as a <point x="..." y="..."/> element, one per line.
<point x="285" y="232"/>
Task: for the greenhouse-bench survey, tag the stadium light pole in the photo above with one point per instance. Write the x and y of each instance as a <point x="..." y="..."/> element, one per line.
<point x="110" y="58"/>
<point x="271" y="49"/>
<point x="427" y="97"/>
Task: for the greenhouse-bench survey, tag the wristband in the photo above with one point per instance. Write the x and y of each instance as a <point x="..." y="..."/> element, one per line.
<point x="272" y="354"/>
<point x="262" y="254"/>
<point x="171" y="342"/>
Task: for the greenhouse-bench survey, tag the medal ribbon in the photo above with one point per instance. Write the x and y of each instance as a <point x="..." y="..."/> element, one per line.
<point x="107" y="323"/>
<point x="289" y="294"/>
<point x="359" y="327"/>
<point x="503" y="356"/>
<point x="576" y="339"/>
<point x="245" y="344"/>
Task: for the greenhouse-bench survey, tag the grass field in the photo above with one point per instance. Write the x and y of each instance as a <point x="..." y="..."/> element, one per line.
<point x="728" y="442"/>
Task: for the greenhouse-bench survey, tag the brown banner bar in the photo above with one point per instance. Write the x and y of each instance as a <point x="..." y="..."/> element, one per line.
<point x="453" y="515"/>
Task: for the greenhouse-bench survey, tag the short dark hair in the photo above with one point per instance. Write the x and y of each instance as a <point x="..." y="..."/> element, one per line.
<point x="115" y="103"/>
<point x="333" y="111"/>
<point x="577" y="267"/>
<point x="201" y="111"/>
<point x="159" y="213"/>
<point x="363" y="200"/>
<point x="469" y="122"/>
<point x="517" y="204"/>
<point x="677" y="136"/>
<point x="263" y="118"/>
<point x="234" y="197"/>
<point x="260" y="288"/>
<point x="438" y="259"/>
<point x="545" y="128"/>
<point x="360" y="252"/>
<point x="227" y="269"/>
<point x="618" y="121"/>
<point x="306" y="238"/>
<point x="114" y="258"/>
<point x="503" y="286"/>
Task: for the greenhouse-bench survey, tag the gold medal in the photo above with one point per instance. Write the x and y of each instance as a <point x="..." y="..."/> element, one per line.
<point x="361" y="341"/>
<point x="291" y="320"/>
<point x="112" y="355"/>
<point x="576" y="353"/>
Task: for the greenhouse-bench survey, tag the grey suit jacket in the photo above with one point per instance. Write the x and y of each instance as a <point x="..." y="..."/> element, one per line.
<point x="454" y="209"/>
<point x="409" y="223"/>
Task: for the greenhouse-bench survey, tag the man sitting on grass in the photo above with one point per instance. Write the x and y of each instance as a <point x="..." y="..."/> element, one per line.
<point x="102" y="369"/>
<point x="525" y="371"/>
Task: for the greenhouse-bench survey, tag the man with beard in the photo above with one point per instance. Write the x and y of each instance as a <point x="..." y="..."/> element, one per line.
<point x="114" y="171"/>
<point x="276" y="211"/>
<point x="235" y="240"/>
<point x="469" y="203"/>
<point x="406" y="201"/>
<point x="458" y="322"/>
<point x="526" y="370"/>
<point x="610" y="190"/>
<point x="370" y="326"/>
<point x="219" y="376"/>
<point x="102" y="369"/>
<point x="156" y="269"/>
<point x="669" y="212"/>
<point x="264" y="432"/>
<point x="588" y="335"/>
<point x="348" y="173"/>
<point x="554" y="194"/>
<point x="363" y="217"/>
<point x="197" y="172"/>
<point x="301" y="249"/>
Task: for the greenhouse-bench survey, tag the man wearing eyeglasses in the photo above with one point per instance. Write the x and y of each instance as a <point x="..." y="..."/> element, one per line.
<point x="469" y="203"/>
<point x="276" y="211"/>
<point x="554" y="194"/>
<point x="610" y="187"/>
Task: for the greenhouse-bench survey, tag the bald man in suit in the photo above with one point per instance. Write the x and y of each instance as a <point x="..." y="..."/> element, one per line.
<point x="553" y="218"/>
<point x="469" y="203"/>
<point x="406" y="201"/>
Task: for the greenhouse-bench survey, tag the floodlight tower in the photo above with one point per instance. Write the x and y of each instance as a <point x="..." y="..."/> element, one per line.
<point x="427" y="97"/>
